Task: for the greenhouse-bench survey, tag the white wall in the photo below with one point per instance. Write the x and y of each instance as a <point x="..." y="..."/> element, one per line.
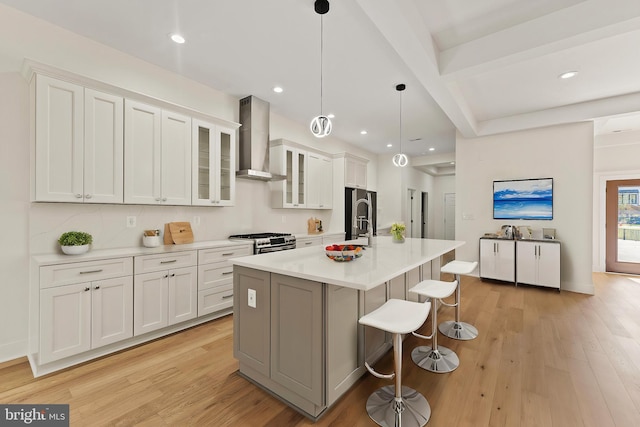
<point x="564" y="153"/>
<point x="32" y="228"/>
<point x="442" y="185"/>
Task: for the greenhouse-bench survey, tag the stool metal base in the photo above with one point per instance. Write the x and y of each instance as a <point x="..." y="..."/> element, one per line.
<point x="440" y="361"/>
<point x="458" y="330"/>
<point x="412" y="410"/>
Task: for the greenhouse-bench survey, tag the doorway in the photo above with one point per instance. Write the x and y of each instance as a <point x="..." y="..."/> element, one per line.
<point x="623" y="226"/>
<point x="424" y="215"/>
<point x="449" y="216"/>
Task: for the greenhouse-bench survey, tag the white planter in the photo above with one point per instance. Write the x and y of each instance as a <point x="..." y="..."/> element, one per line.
<point x="75" y="250"/>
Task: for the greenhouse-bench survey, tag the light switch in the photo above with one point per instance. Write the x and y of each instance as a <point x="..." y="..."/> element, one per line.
<point x="251" y="298"/>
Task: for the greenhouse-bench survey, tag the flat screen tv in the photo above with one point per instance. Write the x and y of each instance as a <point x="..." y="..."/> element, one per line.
<point x="523" y="199"/>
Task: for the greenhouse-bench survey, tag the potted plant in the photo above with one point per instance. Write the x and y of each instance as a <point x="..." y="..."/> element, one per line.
<point x="397" y="232"/>
<point x="75" y="242"/>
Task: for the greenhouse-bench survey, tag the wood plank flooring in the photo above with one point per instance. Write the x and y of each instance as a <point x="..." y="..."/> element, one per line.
<point x="542" y="358"/>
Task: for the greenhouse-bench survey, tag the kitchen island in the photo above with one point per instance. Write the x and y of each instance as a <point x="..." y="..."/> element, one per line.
<point x="296" y="330"/>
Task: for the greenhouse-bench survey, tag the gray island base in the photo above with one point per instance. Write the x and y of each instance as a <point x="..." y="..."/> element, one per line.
<point x="296" y="331"/>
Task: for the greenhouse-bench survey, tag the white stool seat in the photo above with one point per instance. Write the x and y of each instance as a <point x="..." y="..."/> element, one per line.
<point x="459" y="267"/>
<point x="434" y="288"/>
<point x="397" y="316"/>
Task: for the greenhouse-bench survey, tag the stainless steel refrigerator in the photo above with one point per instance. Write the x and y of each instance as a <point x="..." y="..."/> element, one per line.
<point x="354" y="222"/>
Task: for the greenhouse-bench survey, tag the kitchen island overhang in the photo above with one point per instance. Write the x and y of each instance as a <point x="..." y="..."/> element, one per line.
<point x="296" y="330"/>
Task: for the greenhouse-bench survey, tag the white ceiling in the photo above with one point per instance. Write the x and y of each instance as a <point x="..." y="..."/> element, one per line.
<point x="481" y="67"/>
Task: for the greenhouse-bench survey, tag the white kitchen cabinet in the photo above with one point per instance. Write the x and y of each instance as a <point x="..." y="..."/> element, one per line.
<point x="79" y="317"/>
<point x="306" y="241"/>
<point x="319" y="182"/>
<point x="538" y="263"/>
<point x="214" y="152"/>
<point x="497" y="259"/>
<point x="157" y="155"/>
<point x="165" y="290"/>
<point x="355" y="172"/>
<point x="78" y="143"/>
<point x="292" y="164"/>
<point x="215" y="278"/>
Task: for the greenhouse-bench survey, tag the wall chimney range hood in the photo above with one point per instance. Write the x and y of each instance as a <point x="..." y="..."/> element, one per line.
<point x="253" y="147"/>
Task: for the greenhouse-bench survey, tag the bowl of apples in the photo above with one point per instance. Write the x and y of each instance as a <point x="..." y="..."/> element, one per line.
<point x="343" y="253"/>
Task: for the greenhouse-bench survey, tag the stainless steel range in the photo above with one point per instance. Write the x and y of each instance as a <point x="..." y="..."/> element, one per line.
<point x="268" y="242"/>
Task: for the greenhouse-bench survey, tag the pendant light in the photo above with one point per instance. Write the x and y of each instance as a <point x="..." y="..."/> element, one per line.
<point x="400" y="160"/>
<point x="321" y="125"/>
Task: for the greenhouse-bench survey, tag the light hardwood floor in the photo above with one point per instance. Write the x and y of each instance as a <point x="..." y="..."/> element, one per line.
<point x="542" y="358"/>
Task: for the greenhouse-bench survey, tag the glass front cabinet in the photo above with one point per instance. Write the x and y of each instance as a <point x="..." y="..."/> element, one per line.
<point x="214" y="150"/>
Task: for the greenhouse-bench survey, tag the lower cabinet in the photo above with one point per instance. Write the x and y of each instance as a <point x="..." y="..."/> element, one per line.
<point x="164" y="298"/>
<point x="497" y="259"/>
<point x="538" y="263"/>
<point x="80" y="317"/>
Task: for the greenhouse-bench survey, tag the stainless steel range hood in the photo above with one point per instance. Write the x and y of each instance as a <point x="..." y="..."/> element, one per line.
<point x="253" y="147"/>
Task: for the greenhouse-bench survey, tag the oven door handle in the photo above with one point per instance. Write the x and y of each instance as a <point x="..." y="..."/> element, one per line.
<point x="276" y="248"/>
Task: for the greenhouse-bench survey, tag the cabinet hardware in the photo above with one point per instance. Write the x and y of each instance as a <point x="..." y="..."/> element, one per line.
<point x="157" y="199"/>
<point x="87" y="289"/>
<point x="308" y="243"/>
<point x="173" y="275"/>
<point x="227" y="296"/>
<point x="164" y="199"/>
<point x="166" y="275"/>
<point x="225" y="273"/>
<point x="87" y="196"/>
<point x="168" y="262"/>
<point x="91" y="271"/>
<point x="78" y="196"/>
<point x="228" y="254"/>
<point x="97" y="287"/>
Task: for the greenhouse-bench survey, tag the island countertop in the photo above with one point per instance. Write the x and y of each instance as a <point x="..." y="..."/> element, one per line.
<point x="379" y="263"/>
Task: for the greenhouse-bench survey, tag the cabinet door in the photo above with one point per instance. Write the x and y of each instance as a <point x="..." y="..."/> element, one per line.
<point x="103" y="147"/>
<point x="326" y="184"/>
<point x="183" y="295"/>
<point x="412" y="278"/>
<point x="549" y="265"/>
<point x="59" y="116"/>
<point x="314" y="186"/>
<point x="150" y="295"/>
<point x="202" y="186"/>
<point x="506" y="260"/>
<point x="375" y="340"/>
<point x="143" y="153"/>
<point x="111" y="311"/>
<point x="297" y="336"/>
<point x="488" y="258"/>
<point x="294" y="184"/>
<point x="225" y="176"/>
<point x="65" y="321"/>
<point x="527" y="262"/>
<point x="355" y="173"/>
<point x="176" y="159"/>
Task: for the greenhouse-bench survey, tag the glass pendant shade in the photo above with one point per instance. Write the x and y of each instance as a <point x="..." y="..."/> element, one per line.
<point x="320" y="126"/>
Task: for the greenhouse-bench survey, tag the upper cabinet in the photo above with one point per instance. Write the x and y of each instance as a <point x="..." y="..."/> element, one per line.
<point x="214" y="152"/>
<point x="308" y="176"/>
<point x="78" y="143"/>
<point x="320" y="182"/>
<point x="157" y="155"/>
<point x="355" y="172"/>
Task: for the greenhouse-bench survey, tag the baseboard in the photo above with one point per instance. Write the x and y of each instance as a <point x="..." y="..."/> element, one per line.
<point x="13" y="350"/>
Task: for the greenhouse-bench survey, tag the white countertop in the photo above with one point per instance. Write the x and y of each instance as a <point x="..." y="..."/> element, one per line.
<point x="382" y="262"/>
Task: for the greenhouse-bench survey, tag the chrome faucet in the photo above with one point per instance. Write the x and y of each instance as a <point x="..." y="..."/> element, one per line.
<point x="368" y="220"/>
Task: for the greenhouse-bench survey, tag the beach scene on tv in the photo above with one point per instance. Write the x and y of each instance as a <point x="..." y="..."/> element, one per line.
<point x="523" y="199"/>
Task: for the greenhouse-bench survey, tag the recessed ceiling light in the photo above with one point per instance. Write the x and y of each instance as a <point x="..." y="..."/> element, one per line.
<point x="363" y="132"/>
<point x="432" y="149"/>
<point x="568" y="75"/>
<point x="278" y="89"/>
<point x="389" y="145"/>
<point x="177" y="38"/>
<point x="331" y="116"/>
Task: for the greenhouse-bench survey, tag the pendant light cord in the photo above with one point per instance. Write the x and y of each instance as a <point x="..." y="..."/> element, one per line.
<point x="321" y="51"/>
<point x="400" y="122"/>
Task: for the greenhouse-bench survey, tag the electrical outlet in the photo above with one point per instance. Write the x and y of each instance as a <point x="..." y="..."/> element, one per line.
<point x="284" y="219"/>
<point x="251" y="297"/>
<point x="131" y="221"/>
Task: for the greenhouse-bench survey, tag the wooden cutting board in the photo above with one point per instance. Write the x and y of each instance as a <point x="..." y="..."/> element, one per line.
<point x="178" y="233"/>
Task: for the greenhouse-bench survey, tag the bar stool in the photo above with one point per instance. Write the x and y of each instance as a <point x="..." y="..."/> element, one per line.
<point x="455" y="328"/>
<point x="436" y="358"/>
<point x="397" y="405"/>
